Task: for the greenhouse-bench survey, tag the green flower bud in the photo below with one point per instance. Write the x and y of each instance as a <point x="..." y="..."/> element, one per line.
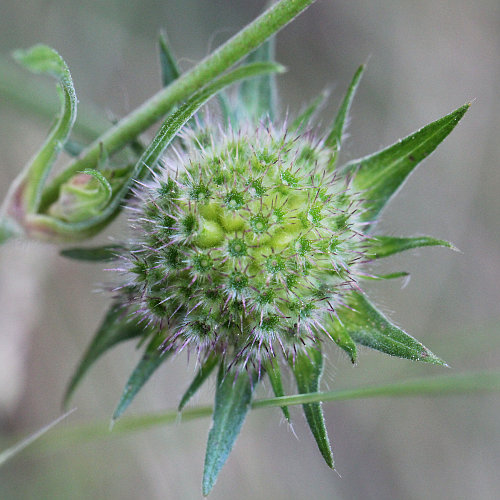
<point x="255" y="239"/>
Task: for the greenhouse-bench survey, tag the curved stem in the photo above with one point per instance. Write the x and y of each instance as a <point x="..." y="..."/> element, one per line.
<point x="240" y="45"/>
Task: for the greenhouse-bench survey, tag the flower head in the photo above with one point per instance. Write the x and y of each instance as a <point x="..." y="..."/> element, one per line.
<point x="250" y="245"/>
<point x="245" y="244"/>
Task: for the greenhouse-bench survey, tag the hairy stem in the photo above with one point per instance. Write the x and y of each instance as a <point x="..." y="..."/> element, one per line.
<point x="240" y="45"/>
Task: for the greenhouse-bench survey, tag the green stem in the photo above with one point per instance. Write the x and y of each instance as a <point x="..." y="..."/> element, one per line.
<point x="240" y="45"/>
<point x="36" y="98"/>
<point x="436" y="386"/>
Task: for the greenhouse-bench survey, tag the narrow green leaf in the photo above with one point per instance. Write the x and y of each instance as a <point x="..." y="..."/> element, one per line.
<point x="369" y="327"/>
<point x="203" y="373"/>
<point x="341" y="338"/>
<point x="258" y="95"/>
<point x="389" y="276"/>
<point x="232" y="402"/>
<point x="93" y="254"/>
<point x="383" y="246"/>
<point x="380" y="175"/>
<point x="274" y="373"/>
<point x="18" y="447"/>
<point x="29" y="184"/>
<point x="308" y="368"/>
<point x="150" y="157"/>
<point x="152" y="358"/>
<point x="304" y="118"/>
<point x="334" y="139"/>
<point x="435" y="386"/>
<point x="168" y="64"/>
<point x="115" y="328"/>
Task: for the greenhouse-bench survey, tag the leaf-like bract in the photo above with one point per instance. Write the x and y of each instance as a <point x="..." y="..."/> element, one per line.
<point x="341" y="338"/>
<point x="383" y="246"/>
<point x="152" y="358"/>
<point x="168" y="64"/>
<point x="203" y="373"/>
<point x="334" y="139"/>
<point x="115" y="328"/>
<point x="232" y="402"/>
<point x="308" y="369"/>
<point x="93" y="254"/>
<point x="380" y="175"/>
<point x="274" y="373"/>
<point x="369" y="327"/>
<point x="258" y="95"/>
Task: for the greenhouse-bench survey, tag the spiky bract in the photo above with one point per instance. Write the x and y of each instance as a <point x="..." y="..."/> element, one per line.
<point x="245" y="243"/>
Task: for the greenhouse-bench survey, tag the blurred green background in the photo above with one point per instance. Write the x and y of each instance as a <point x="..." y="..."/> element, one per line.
<point x="425" y="59"/>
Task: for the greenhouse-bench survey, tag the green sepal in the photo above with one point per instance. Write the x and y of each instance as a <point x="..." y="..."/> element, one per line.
<point x="383" y="246"/>
<point x="380" y="175"/>
<point x="369" y="327"/>
<point x="93" y="254"/>
<point x="168" y="65"/>
<point x="334" y="139"/>
<point x="340" y="336"/>
<point x="308" y="369"/>
<point x="204" y="372"/>
<point x="258" y="96"/>
<point x="26" y="190"/>
<point x="304" y="118"/>
<point x="233" y="397"/>
<point x="152" y="358"/>
<point x="274" y="373"/>
<point x="115" y="328"/>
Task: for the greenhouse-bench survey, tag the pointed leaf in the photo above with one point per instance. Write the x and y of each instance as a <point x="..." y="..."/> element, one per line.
<point x="258" y="95"/>
<point x="232" y="402"/>
<point x="308" y="368"/>
<point x="203" y="373"/>
<point x="150" y="361"/>
<point x="93" y="254"/>
<point x="390" y="276"/>
<point x="115" y="328"/>
<point x="341" y="338"/>
<point x="381" y="174"/>
<point x="306" y="116"/>
<point x="168" y="64"/>
<point x="29" y="184"/>
<point x="369" y="327"/>
<point x="274" y="373"/>
<point x="383" y="246"/>
<point x="334" y="139"/>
